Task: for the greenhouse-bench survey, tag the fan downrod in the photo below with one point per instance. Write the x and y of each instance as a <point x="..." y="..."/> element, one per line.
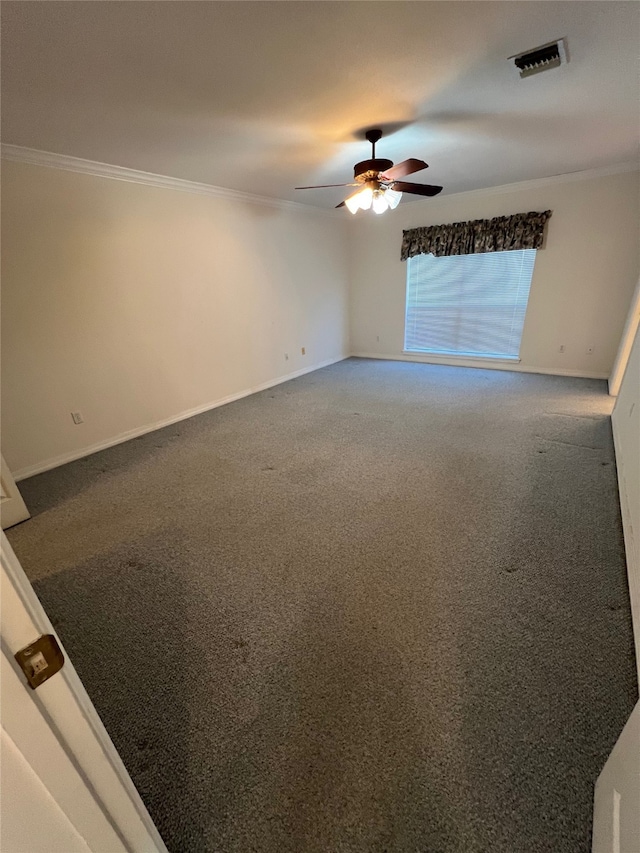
<point x="373" y="136"/>
<point x="369" y="169"/>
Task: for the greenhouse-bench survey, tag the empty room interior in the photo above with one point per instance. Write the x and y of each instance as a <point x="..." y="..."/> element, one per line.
<point x="321" y="417"/>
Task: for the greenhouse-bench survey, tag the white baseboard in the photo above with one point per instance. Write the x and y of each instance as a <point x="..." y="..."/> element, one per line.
<point x="484" y="364"/>
<point x="56" y="461"/>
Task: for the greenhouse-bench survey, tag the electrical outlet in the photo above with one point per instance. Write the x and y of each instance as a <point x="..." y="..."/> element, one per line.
<point x="303" y="351"/>
<point x="561" y="348"/>
<point x="77" y="417"/>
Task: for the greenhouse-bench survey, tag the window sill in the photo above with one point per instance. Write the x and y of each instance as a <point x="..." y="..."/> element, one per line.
<point x="446" y="358"/>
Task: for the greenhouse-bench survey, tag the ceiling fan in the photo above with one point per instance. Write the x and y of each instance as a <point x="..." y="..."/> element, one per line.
<point x="378" y="181"/>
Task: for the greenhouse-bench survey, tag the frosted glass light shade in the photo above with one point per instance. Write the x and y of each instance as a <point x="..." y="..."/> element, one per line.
<point x="380" y="199"/>
<point x="380" y="203"/>
<point x="366" y="197"/>
<point x="360" y="200"/>
<point x="393" y="198"/>
<point x="353" y="203"/>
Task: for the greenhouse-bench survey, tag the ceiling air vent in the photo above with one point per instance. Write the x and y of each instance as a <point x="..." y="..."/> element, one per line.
<point x="550" y="55"/>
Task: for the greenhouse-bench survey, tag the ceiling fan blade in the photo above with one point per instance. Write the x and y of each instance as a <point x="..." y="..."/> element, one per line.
<point x="322" y="186"/>
<point x="416" y="189"/>
<point x="407" y="167"/>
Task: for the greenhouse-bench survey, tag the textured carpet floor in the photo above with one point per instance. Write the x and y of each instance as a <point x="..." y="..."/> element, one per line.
<point x="382" y="607"/>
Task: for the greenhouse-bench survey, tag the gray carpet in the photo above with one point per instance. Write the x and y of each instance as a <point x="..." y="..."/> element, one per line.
<point x="382" y="607"/>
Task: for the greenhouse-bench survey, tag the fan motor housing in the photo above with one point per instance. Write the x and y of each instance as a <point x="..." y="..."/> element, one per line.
<point x="361" y="170"/>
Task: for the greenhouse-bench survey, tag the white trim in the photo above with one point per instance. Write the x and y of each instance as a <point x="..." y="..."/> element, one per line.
<point x="482" y="363"/>
<point x="536" y="183"/>
<point x="56" y="461"/>
<point x="12" y="508"/>
<point x="624" y="434"/>
<point x="626" y="343"/>
<point x="28" y="800"/>
<point x="632" y="550"/>
<point x="18" y="154"/>
<point x="451" y="356"/>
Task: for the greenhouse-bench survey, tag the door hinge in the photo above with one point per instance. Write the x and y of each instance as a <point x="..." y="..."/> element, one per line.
<point x="40" y="660"/>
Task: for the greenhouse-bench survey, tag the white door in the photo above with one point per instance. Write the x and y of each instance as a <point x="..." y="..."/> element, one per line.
<point x="616" y="812"/>
<point x="12" y="507"/>
<point x="64" y="787"/>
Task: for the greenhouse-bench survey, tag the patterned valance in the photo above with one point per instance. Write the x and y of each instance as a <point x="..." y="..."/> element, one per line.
<point x="503" y="233"/>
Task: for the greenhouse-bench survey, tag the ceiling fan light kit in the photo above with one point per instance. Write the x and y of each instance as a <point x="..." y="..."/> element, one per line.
<point x="392" y="197"/>
<point x="360" y="200"/>
<point x="377" y="179"/>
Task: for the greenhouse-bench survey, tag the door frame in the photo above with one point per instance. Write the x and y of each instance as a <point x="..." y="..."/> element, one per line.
<point x="626" y="343"/>
<point x="68" y="711"/>
<point x="12" y="506"/>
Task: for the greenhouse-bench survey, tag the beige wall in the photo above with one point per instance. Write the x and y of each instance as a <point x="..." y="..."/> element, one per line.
<point x="138" y="305"/>
<point x="582" y="284"/>
<point x="134" y="304"/>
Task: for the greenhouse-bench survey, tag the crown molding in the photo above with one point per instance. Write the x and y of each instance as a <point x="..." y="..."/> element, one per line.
<point x="19" y="154"/>
<point x="535" y="183"/>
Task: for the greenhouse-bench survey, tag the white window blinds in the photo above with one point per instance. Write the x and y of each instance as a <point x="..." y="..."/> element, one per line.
<point x="468" y="305"/>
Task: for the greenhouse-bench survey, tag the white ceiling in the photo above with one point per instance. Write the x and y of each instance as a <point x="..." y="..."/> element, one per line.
<point x="265" y="96"/>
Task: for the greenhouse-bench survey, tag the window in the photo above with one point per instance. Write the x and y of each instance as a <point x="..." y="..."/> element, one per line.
<point x="468" y="305"/>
